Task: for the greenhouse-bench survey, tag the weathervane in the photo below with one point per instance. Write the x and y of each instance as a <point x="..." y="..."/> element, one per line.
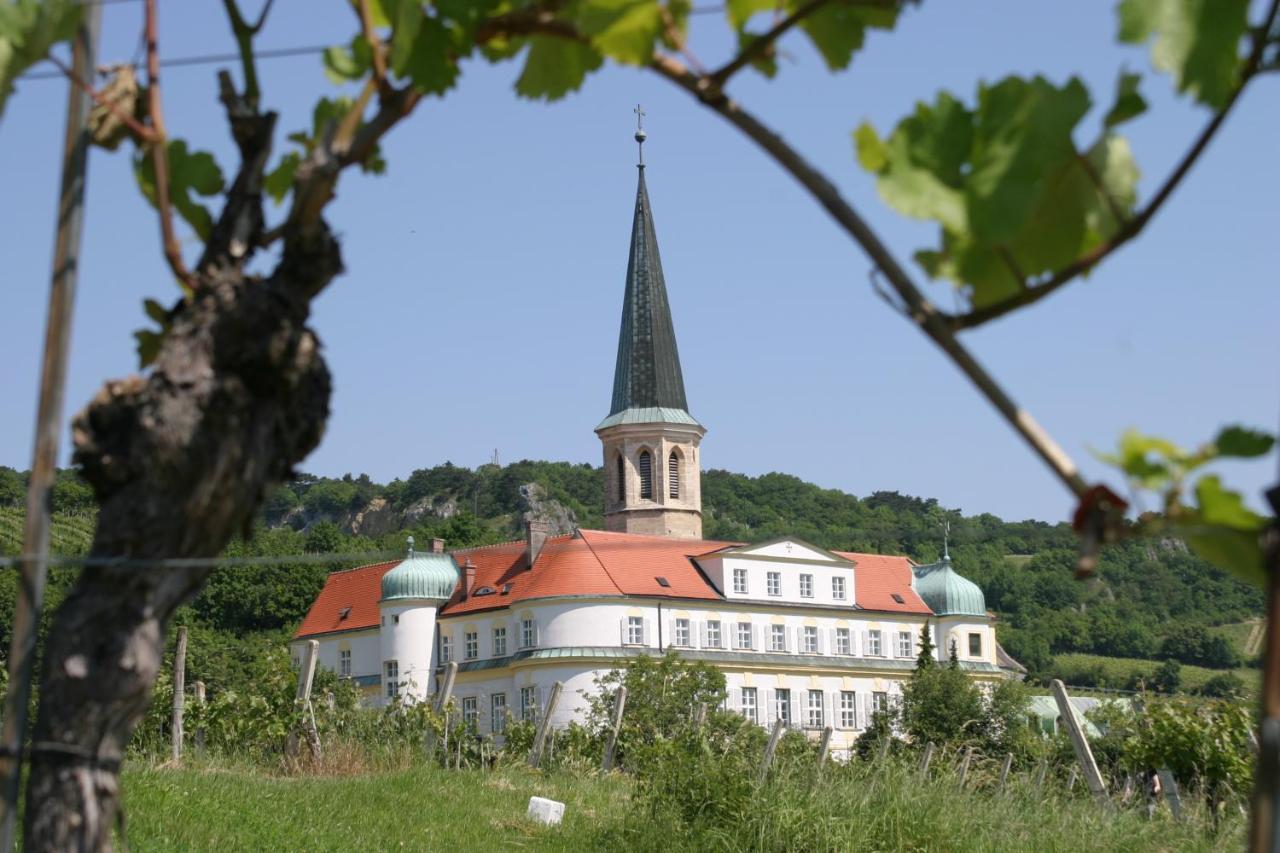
<point x="946" y="534"/>
<point x="640" y="134"/>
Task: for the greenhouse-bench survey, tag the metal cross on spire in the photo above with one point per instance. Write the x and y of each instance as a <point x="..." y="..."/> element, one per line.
<point x="640" y="134"/>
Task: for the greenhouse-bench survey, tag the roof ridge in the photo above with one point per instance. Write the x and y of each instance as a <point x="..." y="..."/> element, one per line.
<point x="471" y="548"/>
<point x="365" y="566"/>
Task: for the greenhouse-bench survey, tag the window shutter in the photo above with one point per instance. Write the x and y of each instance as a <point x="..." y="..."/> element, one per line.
<point x="735" y="699"/>
<point x="911" y="644"/>
<point x="647" y="632"/>
<point x="671" y="633"/>
<point x="704" y="633"/>
<point x="866" y="643"/>
<point x="482" y="713"/>
<point x="537" y="634"/>
<point x="755" y="636"/>
<point x="770" y="712"/>
<point x="622" y="630"/>
<point x="866" y="710"/>
<point x="821" y="650"/>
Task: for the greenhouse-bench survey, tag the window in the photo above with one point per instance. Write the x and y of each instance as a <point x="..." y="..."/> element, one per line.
<point x="470" y="712"/>
<point x="879" y="701"/>
<point x="848" y="712"/>
<point x="499" y="641"/>
<point x="740" y="581"/>
<point x="749" y="709"/>
<point x="391" y="678"/>
<point x="806" y="586"/>
<point x="646" y="475"/>
<point x="843" y="644"/>
<point x="744" y="635"/>
<point x="498" y="713"/>
<point x="904" y="644"/>
<point x="810" y="640"/>
<point x="682" y="637"/>
<point x="837" y="589"/>
<point x="713" y="634"/>
<point x="446" y="648"/>
<point x="814" y="716"/>
<point x="673" y="474"/>
<point x="975" y="645"/>
<point x="635" y="630"/>
<point x="782" y="705"/>
<point x="622" y="479"/>
<point x="471" y="645"/>
<point x="773" y="583"/>
<point x="396" y="619"/>
<point x="528" y="703"/>
<point x="898" y="598"/>
<point x="873" y="643"/>
<point x="777" y="638"/>
<point x="344" y="663"/>
<point x="528" y="634"/>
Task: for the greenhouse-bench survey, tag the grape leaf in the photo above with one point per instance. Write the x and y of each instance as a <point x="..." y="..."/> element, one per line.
<point x="554" y="67"/>
<point x="1196" y="41"/>
<point x="431" y="65"/>
<point x="279" y="180"/>
<point x="28" y="29"/>
<point x="189" y="172"/>
<point x="838" y="30"/>
<point x="1129" y="103"/>
<point x="624" y="30"/>
<point x="1243" y="442"/>
<point x="740" y="11"/>
<point x="344" y="64"/>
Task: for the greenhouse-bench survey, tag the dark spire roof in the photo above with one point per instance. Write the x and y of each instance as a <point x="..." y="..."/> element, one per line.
<point x="647" y="374"/>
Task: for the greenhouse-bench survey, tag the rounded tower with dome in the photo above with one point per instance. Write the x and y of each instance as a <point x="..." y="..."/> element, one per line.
<point x="412" y="594"/>
<point x="961" y="609"/>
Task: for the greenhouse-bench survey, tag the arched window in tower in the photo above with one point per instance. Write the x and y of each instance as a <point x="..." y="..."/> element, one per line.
<point x="646" y="475"/>
<point x="673" y="474"/>
<point x="622" y="479"/>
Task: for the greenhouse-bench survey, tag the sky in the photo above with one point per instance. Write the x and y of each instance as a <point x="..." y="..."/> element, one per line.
<point x="485" y="270"/>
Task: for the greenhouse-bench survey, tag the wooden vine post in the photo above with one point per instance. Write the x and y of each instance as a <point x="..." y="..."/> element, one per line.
<point x="778" y="726"/>
<point x="1080" y="743"/>
<point x="1004" y="771"/>
<point x="544" y="725"/>
<point x="441" y="709"/>
<point x="929" y="749"/>
<point x="302" y="704"/>
<point x="964" y="767"/>
<point x="611" y="745"/>
<point x="179" y="692"/>
<point x="200" y="730"/>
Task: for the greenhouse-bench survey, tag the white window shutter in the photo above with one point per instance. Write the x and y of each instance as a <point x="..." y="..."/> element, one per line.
<point x="770" y="714"/>
<point x="911" y="644"/>
<point x="735" y="699"/>
<point x="821" y="650"/>
<point x="537" y="634"/>
<point x="647" y="632"/>
<point x="671" y="632"/>
<point x="622" y="630"/>
<point x="482" y="717"/>
<point x="755" y="636"/>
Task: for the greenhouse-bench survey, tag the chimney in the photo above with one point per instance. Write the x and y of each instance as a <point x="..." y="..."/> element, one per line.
<point x="437" y="546"/>
<point x="536" y="533"/>
<point x="469" y="577"/>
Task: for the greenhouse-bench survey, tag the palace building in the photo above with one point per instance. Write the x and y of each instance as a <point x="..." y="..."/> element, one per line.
<point x="815" y="637"/>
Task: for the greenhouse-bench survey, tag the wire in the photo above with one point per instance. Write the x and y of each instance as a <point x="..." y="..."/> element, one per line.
<point x="363" y="558"/>
<point x="206" y="59"/>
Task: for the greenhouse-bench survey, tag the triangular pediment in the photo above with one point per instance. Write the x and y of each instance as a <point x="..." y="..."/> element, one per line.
<point x="785" y="549"/>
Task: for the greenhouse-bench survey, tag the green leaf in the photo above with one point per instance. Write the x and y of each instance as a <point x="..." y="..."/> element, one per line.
<point x="873" y="154"/>
<point x="838" y="30"/>
<point x="740" y="11"/>
<point x="1237" y="551"/>
<point x="156" y="311"/>
<point x="1243" y="442"/>
<point x="767" y="60"/>
<point x="189" y="172"/>
<point x="279" y="180"/>
<point x="1129" y="103"/>
<point x="28" y="29"/>
<point x="407" y="19"/>
<point x="555" y="67"/>
<point x="431" y="65"/>
<point x="344" y="64"/>
<point x="148" y="345"/>
<point x="624" y="30"/>
<point x="1196" y="41"/>
<point x="1223" y="507"/>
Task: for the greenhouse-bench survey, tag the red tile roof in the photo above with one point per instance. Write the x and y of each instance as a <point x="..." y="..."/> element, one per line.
<point x="594" y="562"/>
<point x="876" y="577"/>
<point x="358" y="589"/>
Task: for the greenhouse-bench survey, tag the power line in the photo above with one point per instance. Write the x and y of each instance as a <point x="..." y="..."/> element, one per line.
<point x="189" y="563"/>
<point x="205" y="59"/>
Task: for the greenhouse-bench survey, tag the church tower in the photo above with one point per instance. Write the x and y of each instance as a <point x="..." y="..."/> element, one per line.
<point x="651" y="458"/>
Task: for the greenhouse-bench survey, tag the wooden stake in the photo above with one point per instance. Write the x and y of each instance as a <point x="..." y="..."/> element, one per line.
<point x="179" y="692"/>
<point x="49" y="426"/>
<point x="700" y="717"/>
<point x="1004" y="771"/>
<point x="1169" y="787"/>
<point x="1081" y="744"/>
<point x="441" y="704"/>
<point x="302" y="703"/>
<point x="929" y="749"/>
<point x="778" y="726"/>
<point x="611" y="745"/>
<point x="1071" y="779"/>
<point x="1040" y="771"/>
<point x="824" y="747"/>
<point x="200" y="730"/>
<point x="884" y="750"/>
<point x="964" y="766"/>
<point x="540" y="739"/>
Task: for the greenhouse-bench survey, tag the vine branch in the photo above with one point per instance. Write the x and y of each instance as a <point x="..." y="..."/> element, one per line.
<point x="1132" y="227"/>
<point x="760" y="46"/>
<point x="160" y="151"/>
<point x="144" y="133"/>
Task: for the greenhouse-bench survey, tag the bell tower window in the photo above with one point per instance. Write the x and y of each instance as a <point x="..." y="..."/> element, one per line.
<point x="646" y="475"/>
<point x="673" y="475"/>
<point x="622" y="479"/>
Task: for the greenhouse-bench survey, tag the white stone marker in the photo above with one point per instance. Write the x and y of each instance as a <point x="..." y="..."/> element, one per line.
<point x="545" y="811"/>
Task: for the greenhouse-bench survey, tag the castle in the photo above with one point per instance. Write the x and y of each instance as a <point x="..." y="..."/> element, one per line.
<point x="813" y="637"/>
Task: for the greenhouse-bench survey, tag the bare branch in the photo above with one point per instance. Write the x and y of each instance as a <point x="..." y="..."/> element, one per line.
<point x="1132" y="227"/>
<point x="677" y="40"/>
<point x="244" y="33"/>
<point x="160" y="151"/>
<point x="375" y="45"/>
<point x="761" y="45"/>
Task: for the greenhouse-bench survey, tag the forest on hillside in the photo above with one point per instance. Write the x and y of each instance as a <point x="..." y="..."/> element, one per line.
<point x="1149" y="600"/>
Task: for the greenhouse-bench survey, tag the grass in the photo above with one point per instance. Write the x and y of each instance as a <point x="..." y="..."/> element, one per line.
<point x="427" y="808"/>
<point x="423" y="808"/>
<point x="1117" y="671"/>
<point x="1239" y="634"/>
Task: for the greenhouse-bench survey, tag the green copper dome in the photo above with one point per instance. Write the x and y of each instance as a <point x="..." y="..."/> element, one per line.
<point x="948" y="594"/>
<point x="426" y="575"/>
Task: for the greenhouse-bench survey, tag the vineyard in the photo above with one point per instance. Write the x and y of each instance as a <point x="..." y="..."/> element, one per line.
<point x="69" y="533"/>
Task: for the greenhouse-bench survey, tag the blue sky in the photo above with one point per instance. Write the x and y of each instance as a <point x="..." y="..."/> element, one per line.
<point x="485" y="270"/>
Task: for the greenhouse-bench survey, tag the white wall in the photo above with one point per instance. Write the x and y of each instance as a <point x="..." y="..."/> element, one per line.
<point x="408" y="637"/>
<point x="789" y="566"/>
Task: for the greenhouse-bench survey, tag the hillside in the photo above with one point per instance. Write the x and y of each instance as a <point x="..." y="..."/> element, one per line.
<point x="1149" y="601"/>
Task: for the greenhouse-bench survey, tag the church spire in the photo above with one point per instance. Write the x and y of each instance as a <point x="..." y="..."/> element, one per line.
<point x="647" y="374"/>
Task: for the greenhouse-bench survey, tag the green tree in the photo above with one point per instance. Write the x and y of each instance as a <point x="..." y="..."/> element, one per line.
<point x="1167" y="677"/>
<point x="324" y="537"/>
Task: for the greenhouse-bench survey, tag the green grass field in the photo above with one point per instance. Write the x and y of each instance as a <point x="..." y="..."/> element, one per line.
<point x="1118" y="670"/>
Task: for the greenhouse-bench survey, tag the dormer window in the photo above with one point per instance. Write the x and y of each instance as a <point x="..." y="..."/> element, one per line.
<point x="344" y="613"/>
<point x="663" y="582"/>
<point x="898" y="598"/>
<point x="484" y="590"/>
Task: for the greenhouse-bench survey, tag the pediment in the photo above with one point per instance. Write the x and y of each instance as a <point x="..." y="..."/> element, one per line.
<point x="786" y="549"/>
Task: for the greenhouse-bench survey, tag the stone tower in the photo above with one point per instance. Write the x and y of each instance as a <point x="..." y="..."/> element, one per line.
<point x="651" y="457"/>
